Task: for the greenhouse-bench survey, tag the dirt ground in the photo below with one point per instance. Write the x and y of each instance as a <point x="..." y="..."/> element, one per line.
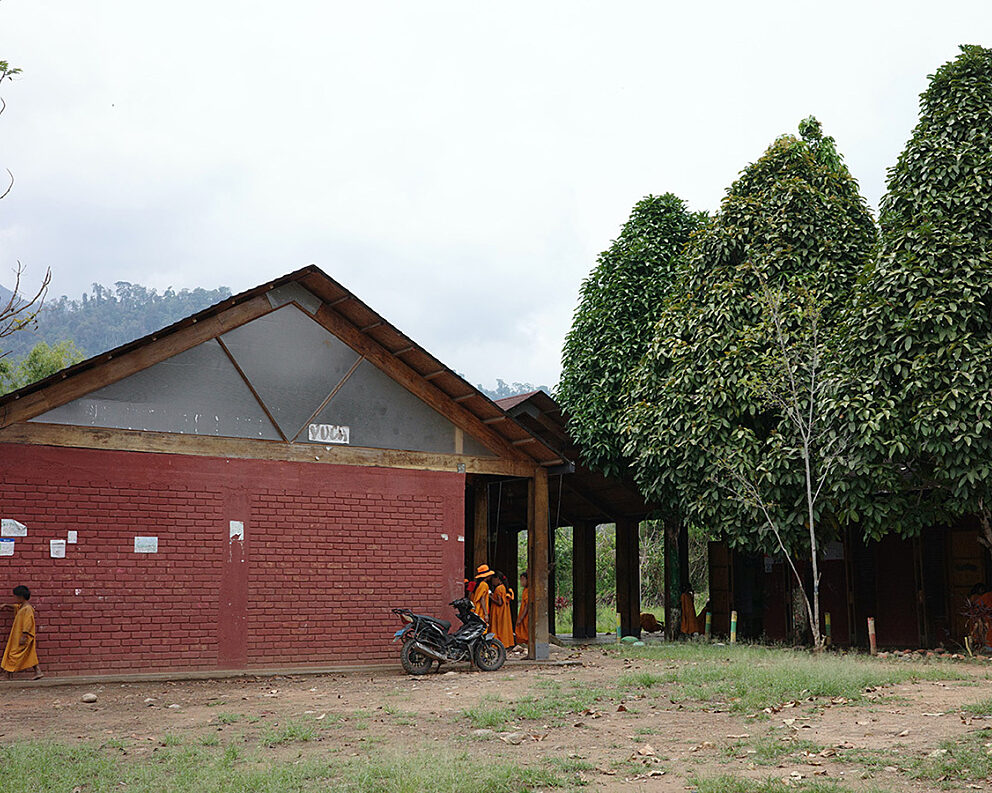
<point x="636" y="740"/>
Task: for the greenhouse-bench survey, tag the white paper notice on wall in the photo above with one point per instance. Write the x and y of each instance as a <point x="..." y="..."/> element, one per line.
<point x="329" y="433"/>
<point x="7" y="546"/>
<point x="56" y="549"/>
<point x="71" y="537"/>
<point x="146" y="544"/>
<point x="12" y="528"/>
<point x="237" y="530"/>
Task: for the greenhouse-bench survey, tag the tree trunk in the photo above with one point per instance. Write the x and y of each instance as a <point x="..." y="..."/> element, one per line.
<point x="985" y="521"/>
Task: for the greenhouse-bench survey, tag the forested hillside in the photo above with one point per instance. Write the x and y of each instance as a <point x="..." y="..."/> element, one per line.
<point x="107" y="318"/>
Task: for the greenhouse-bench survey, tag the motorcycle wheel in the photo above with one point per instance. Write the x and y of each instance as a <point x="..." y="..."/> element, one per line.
<point x="490" y="655"/>
<point x="414" y="663"/>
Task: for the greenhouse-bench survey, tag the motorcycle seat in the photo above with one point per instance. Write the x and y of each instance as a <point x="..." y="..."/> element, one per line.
<point x="440" y="623"/>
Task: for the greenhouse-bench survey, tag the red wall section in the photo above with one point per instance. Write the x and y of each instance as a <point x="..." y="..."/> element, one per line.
<point x="328" y="550"/>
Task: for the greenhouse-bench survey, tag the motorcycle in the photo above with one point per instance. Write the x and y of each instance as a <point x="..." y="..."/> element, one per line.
<point x="428" y="639"/>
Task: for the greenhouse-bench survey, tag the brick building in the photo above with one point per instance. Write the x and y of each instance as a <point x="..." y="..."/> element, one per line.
<point x="254" y="486"/>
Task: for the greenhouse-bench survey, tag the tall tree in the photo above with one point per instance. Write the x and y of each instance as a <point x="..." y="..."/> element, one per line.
<point x="618" y="305"/>
<point x="794" y="223"/>
<point x="921" y="330"/>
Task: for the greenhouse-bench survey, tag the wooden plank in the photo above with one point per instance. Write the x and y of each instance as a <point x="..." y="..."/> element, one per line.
<point x="584" y="580"/>
<point x="629" y="577"/>
<point x="415" y="383"/>
<point x="40" y="434"/>
<point x="480" y="525"/>
<point x="114" y="369"/>
<point x="537" y="566"/>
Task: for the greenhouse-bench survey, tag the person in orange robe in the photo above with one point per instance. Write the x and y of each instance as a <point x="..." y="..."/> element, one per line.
<point x="20" y="652"/>
<point x="523" y="612"/>
<point x="986" y="600"/>
<point x="500" y="617"/>
<point x="690" y="623"/>
<point x="480" y="595"/>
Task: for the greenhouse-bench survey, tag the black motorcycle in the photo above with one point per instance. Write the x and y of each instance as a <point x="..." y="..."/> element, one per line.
<point x="427" y="639"/>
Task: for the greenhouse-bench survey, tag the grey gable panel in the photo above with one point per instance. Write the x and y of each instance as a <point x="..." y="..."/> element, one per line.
<point x="382" y="414"/>
<point x="196" y="392"/>
<point x="292" y="362"/>
<point x="294" y="292"/>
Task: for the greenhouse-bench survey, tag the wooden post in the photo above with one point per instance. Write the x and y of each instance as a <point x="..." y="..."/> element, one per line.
<point x="872" y="646"/>
<point x="629" y="577"/>
<point x="537" y="563"/>
<point x="480" y="525"/>
<point x="673" y="581"/>
<point x="552" y="586"/>
<point x="584" y="580"/>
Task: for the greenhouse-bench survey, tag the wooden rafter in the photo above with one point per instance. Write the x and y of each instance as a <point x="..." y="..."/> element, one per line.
<point x="410" y="379"/>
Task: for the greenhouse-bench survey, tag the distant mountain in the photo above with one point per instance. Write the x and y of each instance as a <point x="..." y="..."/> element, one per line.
<point x="504" y="389"/>
<point x="107" y="318"/>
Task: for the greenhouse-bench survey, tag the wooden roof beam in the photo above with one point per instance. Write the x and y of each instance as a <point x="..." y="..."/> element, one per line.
<point x="406" y="376"/>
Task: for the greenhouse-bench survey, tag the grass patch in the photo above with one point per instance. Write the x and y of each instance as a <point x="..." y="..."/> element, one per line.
<point x="171" y="740"/>
<point x="290" y="732"/>
<point x="229" y="718"/>
<point x="489" y="713"/>
<point x="635" y="680"/>
<point x="47" y="767"/>
<point x="733" y="784"/>
<point x="750" y="678"/>
<point x="767" y="751"/>
<point x="965" y="759"/>
<point x="553" y="703"/>
<point x="981" y="708"/>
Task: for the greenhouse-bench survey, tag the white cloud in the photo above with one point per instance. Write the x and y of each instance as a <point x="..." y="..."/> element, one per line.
<point x="459" y="166"/>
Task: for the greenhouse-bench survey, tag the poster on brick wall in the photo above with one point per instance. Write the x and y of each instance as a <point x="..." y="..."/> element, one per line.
<point x="56" y="549"/>
<point x="12" y="528"/>
<point x="6" y="546"/>
<point x="146" y="544"/>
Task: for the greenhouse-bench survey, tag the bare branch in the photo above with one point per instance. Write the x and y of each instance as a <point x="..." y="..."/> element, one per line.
<point x="20" y="312"/>
<point x="10" y="186"/>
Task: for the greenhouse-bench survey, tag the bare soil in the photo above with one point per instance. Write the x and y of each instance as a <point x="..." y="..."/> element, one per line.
<point x="637" y="741"/>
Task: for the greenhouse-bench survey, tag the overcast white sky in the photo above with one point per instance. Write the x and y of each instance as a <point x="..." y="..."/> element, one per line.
<point x="458" y="165"/>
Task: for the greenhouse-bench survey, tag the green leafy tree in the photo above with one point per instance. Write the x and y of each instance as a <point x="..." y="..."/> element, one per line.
<point x="41" y="362"/>
<point x="921" y="330"/>
<point x="613" y="325"/>
<point x="794" y="223"/>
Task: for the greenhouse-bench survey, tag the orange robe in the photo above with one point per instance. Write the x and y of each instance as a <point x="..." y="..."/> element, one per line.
<point x="523" y="617"/>
<point x="480" y="600"/>
<point x="649" y="622"/>
<point x="500" y="617"/>
<point x="690" y="624"/>
<point x="19" y="656"/>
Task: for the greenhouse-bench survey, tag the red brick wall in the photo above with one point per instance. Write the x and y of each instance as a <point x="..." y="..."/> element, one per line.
<point x="328" y="551"/>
